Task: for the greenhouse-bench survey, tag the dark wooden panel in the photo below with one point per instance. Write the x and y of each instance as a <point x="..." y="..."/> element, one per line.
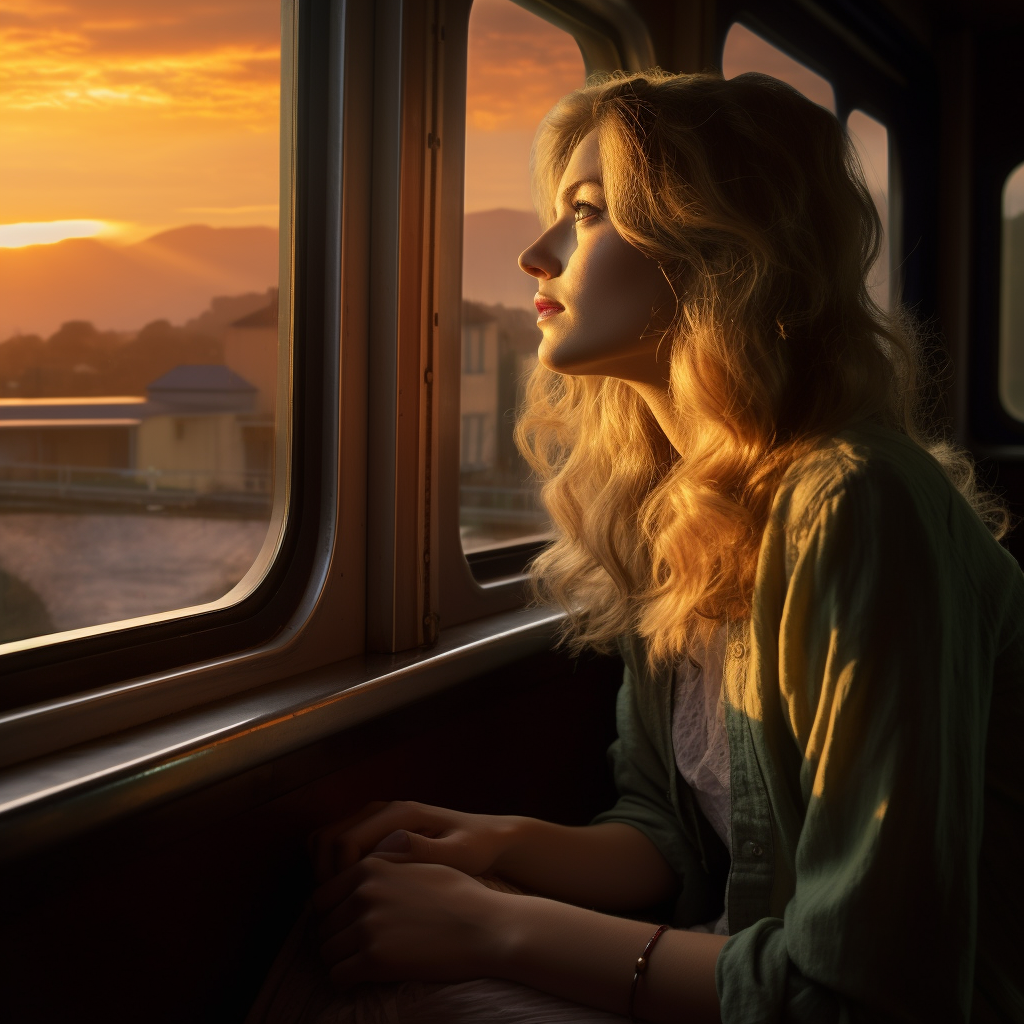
<point x="176" y="915"/>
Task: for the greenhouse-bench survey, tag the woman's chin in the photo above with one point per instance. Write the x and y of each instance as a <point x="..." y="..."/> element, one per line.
<point x="561" y="358"/>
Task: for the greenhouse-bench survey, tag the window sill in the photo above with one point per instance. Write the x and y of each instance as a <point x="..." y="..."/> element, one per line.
<point x="53" y="798"/>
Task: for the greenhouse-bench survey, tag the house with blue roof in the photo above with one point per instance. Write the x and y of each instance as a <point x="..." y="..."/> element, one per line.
<point x="197" y="430"/>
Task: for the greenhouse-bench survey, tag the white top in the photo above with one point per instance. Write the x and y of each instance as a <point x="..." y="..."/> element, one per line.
<point x="700" y="742"/>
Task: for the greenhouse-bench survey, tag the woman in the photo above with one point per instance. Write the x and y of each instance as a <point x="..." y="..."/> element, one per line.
<point x="824" y="644"/>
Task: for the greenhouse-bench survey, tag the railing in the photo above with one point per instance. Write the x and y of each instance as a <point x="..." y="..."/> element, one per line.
<point x="482" y="504"/>
<point x="32" y="483"/>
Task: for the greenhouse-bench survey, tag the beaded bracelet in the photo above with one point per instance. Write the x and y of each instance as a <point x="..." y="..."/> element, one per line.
<point x="641" y="966"/>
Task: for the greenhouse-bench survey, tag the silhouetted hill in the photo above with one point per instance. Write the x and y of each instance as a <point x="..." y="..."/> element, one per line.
<point x="174" y="275"/>
<point x="171" y="276"/>
<point x="224" y="310"/>
<point x="492" y="242"/>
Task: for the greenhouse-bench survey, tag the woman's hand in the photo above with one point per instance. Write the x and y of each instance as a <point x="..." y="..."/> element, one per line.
<point x="410" y="831"/>
<point x="383" y="920"/>
<point x="611" y="866"/>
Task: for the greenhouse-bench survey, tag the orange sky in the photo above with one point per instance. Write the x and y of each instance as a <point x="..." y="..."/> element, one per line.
<point x="519" y="65"/>
<point x="150" y="115"/>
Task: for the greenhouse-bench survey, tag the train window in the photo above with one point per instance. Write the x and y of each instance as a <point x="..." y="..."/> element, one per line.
<point x="139" y="313"/>
<point x="1011" y="312"/>
<point x="747" y="51"/>
<point x="871" y="140"/>
<point x="518" y="66"/>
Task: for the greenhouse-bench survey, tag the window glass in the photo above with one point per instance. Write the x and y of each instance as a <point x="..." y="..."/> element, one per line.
<point x="1011" y="312"/>
<point x="519" y="65"/>
<point x="871" y="140"/>
<point x="138" y="306"/>
<point x="746" y="51"/>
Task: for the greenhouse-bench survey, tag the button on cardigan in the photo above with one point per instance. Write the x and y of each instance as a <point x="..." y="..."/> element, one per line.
<point x="875" y="715"/>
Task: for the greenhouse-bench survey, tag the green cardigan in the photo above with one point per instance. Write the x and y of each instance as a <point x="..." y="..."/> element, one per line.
<point x="875" y="715"/>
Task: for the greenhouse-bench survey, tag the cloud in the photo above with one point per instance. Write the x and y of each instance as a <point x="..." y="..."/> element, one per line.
<point x="129" y="28"/>
<point x="519" y="65"/>
<point x="212" y="60"/>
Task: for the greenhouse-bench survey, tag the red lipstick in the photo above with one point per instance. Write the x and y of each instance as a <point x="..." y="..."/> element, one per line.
<point x="546" y="307"/>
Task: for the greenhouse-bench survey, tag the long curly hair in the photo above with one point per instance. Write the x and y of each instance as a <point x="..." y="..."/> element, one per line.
<point x="752" y="199"/>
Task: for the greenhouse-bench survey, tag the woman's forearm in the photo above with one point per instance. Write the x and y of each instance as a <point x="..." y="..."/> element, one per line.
<point x="590" y="958"/>
<point x="612" y="866"/>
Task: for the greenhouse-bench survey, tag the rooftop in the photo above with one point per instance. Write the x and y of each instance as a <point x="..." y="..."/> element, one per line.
<point x="203" y="377"/>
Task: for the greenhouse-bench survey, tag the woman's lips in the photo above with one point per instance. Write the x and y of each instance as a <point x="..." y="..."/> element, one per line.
<point x="546" y="307"/>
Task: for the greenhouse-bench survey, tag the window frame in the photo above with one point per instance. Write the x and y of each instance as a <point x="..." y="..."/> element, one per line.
<point x="610" y="36"/>
<point x="102" y="680"/>
<point x="1003" y="299"/>
<point x="991" y="427"/>
<point x="184" y="702"/>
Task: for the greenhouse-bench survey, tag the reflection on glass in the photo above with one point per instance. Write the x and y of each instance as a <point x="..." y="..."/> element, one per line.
<point x="519" y="65"/>
<point x="138" y="307"/>
<point x="871" y="140"/>
<point x="746" y="51"/>
<point x="1011" y="306"/>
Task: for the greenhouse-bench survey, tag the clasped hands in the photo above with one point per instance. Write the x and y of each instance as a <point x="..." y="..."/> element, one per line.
<point x="399" y="897"/>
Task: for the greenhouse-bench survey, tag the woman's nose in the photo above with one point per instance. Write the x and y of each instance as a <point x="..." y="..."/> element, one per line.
<point x="538" y="261"/>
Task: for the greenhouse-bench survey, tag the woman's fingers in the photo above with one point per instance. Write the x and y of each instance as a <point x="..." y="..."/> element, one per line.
<point x="329" y="847"/>
<point x="410" y="831"/>
<point x="332" y="893"/>
<point x="342" y="843"/>
<point x="340" y="945"/>
<point x="383" y="920"/>
<point x="398" y="816"/>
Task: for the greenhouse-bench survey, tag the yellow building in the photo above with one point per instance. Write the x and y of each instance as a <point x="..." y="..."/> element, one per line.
<point x="250" y="349"/>
<point x="479" y="389"/>
<point x="194" y="437"/>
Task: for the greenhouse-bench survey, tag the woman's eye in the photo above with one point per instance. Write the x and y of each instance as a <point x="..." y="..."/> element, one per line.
<point x="584" y="211"/>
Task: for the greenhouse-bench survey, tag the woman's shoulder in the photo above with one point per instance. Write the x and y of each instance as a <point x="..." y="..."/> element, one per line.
<point x="873" y="468"/>
<point x="873" y="496"/>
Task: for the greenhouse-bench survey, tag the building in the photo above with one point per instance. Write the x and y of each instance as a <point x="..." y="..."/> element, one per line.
<point x="197" y="432"/>
<point x="251" y="348"/>
<point x="194" y="431"/>
<point x="479" y="389"/>
<point x="200" y="430"/>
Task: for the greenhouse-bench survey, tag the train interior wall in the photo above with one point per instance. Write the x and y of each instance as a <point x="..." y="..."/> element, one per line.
<point x="176" y="914"/>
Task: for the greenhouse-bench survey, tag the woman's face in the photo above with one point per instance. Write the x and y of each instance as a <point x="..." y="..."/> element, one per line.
<point x="597" y="295"/>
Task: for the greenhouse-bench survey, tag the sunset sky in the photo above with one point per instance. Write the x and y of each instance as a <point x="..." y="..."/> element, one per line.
<point x="139" y="117"/>
<point x="144" y="116"/>
<point x="518" y="66"/>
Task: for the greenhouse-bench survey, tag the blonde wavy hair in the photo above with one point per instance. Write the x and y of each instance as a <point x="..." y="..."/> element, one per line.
<point x="752" y="199"/>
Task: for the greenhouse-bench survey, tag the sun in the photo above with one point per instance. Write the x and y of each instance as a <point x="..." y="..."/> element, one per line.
<point x="46" y="232"/>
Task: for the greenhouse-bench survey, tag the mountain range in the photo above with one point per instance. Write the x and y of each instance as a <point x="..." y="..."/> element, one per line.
<point x="492" y="242"/>
<point x="175" y="274"/>
<point x="170" y="276"/>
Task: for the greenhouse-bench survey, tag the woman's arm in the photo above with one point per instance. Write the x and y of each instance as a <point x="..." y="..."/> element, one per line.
<point x="611" y="866"/>
<point x="590" y="958"/>
<point x="390" y="921"/>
